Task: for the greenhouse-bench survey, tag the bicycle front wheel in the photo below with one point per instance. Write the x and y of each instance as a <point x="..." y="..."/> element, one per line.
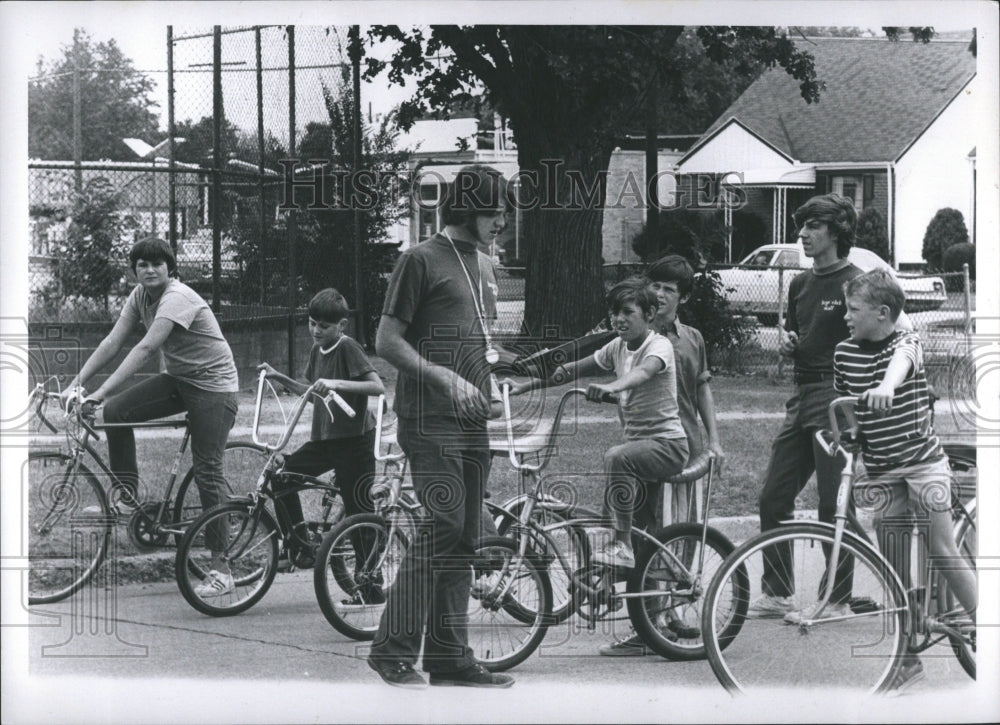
<point x="356" y="563"/>
<point x="244" y="463"/>
<point x="245" y="538"/>
<point x="857" y="651"/>
<point x="500" y="578"/>
<point x="667" y="586"/>
<point x="69" y="526"/>
<point x="967" y="540"/>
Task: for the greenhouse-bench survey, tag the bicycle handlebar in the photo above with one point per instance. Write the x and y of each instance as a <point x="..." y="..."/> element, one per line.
<point x="296" y="413"/>
<point x="518" y="465"/>
<point x="846" y="405"/>
<point x="378" y="435"/>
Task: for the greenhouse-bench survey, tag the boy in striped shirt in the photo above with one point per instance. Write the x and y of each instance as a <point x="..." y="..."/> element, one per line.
<point x="903" y="457"/>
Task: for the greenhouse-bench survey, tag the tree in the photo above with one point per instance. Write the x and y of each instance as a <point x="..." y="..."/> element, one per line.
<point x="326" y="236"/>
<point x="116" y="103"/>
<point x="93" y="260"/>
<point x="568" y="92"/>
<point x="946" y="228"/>
<point x="872" y="233"/>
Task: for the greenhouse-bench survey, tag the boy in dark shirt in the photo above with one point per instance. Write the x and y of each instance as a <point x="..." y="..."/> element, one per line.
<point x="345" y="445"/>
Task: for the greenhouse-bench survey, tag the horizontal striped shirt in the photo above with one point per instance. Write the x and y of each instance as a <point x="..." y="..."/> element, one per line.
<point x="905" y="435"/>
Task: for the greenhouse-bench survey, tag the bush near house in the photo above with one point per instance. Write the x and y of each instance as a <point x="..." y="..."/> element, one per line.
<point x="946" y="229"/>
<point x="872" y="233"/>
<point x="953" y="259"/>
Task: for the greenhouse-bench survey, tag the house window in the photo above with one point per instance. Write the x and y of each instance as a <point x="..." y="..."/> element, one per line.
<point x="851" y="187"/>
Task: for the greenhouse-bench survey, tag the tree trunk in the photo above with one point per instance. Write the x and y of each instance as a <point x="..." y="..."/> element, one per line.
<point x="564" y="290"/>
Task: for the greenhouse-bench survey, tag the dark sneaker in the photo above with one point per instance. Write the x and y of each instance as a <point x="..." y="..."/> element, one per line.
<point x="683" y="630"/>
<point x="398" y="674"/>
<point x="907" y="675"/>
<point x="472" y="676"/>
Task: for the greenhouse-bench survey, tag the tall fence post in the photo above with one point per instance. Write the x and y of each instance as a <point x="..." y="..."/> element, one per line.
<point x="967" y="287"/>
<point x="355" y="49"/>
<point x="292" y="220"/>
<point x="217" y="112"/>
<point x="781" y="316"/>
<point x="171" y="131"/>
<point x="262" y="240"/>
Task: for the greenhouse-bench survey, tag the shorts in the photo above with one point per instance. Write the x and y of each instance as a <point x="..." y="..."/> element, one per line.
<point x="919" y="488"/>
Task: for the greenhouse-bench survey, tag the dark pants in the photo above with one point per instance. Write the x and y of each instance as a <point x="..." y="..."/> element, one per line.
<point x="211" y="415"/>
<point x="795" y="455"/>
<point x="635" y="471"/>
<point x="353" y="460"/>
<point x="449" y="464"/>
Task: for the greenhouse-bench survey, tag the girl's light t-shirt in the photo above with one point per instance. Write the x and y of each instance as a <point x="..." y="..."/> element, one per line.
<point x="195" y="351"/>
<point x="649" y="410"/>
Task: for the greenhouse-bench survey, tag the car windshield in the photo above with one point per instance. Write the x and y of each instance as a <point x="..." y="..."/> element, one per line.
<point x="759" y="259"/>
<point x="787" y="258"/>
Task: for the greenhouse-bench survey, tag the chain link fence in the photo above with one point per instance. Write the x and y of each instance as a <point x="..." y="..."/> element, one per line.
<point x="251" y="194"/>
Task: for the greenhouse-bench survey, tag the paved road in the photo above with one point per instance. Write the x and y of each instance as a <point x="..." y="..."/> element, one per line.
<point x="141" y="653"/>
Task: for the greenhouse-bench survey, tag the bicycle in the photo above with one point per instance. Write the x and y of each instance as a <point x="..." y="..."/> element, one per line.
<point x="662" y="594"/>
<point x="863" y="649"/>
<point x="358" y="559"/>
<point x="70" y="520"/>
<point x="254" y="537"/>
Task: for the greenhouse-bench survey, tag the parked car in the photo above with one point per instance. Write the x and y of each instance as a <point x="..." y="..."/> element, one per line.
<point x="752" y="287"/>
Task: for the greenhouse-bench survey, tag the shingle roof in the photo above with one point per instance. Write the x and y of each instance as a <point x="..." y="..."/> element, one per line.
<point x="880" y="96"/>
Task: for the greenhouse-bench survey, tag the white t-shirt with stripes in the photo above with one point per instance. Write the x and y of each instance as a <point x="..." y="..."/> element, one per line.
<point x="904" y="436"/>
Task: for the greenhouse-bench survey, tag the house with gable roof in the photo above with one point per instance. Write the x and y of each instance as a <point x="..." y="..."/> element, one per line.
<point x="894" y="128"/>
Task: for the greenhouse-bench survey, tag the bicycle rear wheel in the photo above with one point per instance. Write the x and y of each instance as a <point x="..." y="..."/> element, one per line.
<point x="250" y="549"/>
<point x="244" y="463"/>
<point x="859" y="652"/>
<point x="498" y="639"/>
<point x="69" y="526"/>
<point x="356" y="563"/>
<point x="670" y="622"/>
<point x="966" y="537"/>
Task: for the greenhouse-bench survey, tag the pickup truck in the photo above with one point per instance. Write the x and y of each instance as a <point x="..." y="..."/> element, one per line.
<point x="752" y="286"/>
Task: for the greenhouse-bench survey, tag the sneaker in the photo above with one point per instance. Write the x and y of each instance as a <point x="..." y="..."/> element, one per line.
<point x="615" y="553"/>
<point x="119" y="509"/>
<point x="398" y="674"/>
<point x="682" y="630"/>
<point x="216" y="584"/>
<point x="906" y="676"/>
<point x="631" y="646"/>
<point x="472" y="676"/>
<point x="831" y="610"/>
<point x="769" y="607"/>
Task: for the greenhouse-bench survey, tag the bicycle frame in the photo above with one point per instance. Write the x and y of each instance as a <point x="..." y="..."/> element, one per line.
<point x="79" y="443"/>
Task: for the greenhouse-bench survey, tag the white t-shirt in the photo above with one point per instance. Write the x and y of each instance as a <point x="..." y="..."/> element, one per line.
<point x="195" y="351"/>
<point x="649" y="410"/>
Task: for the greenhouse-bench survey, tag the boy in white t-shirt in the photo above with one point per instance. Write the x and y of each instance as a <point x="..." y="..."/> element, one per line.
<point x="655" y="444"/>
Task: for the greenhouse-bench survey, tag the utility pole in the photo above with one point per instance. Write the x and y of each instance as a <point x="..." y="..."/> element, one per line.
<point x="354" y="49"/>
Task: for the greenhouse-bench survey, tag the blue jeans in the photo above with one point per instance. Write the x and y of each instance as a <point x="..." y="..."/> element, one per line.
<point x="449" y="464"/>
<point x="211" y="415"/>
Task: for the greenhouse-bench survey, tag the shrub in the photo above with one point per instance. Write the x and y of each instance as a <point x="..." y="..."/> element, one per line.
<point x="946" y="229"/>
<point x="958" y="254"/>
<point x="94" y="258"/>
<point x="872" y="233"/>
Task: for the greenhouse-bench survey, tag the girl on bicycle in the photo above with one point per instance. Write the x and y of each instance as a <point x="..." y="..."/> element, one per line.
<point x="200" y="380"/>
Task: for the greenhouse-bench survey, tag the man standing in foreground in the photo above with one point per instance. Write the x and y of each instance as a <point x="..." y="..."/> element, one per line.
<point x="815" y="325"/>
<point x="434" y="332"/>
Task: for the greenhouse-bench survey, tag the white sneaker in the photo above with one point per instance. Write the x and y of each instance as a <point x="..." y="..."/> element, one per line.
<point x="615" y="553"/>
<point x="831" y="610"/>
<point x="769" y="607"/>
<point x="216" y="584"/>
